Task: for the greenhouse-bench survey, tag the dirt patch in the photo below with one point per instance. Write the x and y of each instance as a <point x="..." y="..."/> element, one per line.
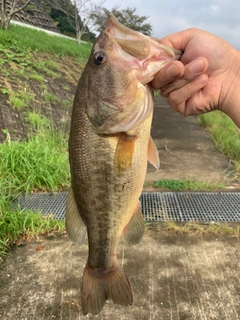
<point x="172" y="277"/>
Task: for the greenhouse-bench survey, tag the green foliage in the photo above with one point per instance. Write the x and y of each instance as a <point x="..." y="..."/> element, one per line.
<point x="37" y="121"/>
<point x="37" y="164"/>
<point x="12" y="51"/>
<point x="65" y="24"/>
<point x="49" y="97"/>
<point x="40" y="163"/>
<point x="179" y="185"/>
<point x="224" y="133"/>
<point x="21" y="41"/>
<point x="20" y="99"/>
<point x="18" y="103"/>
<point x="15" y="224"/>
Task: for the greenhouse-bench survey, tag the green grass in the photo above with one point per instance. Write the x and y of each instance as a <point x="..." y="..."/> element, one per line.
<point x="38" y="121"/>
<point x="224" y="133"/>
<point x="18" y="224"/>
<point x="20" y="99"/>
<point x="37" y="77"/>
<point x="22" y="39"/>
<point x="38" y="164"/>
<point x="190" y="185"/>
<point x="50" y="97"/>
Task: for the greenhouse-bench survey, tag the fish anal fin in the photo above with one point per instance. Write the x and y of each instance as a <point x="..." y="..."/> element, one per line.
<point x="101" y="285"/>
<point x="75" y="227"/>
<point x="153" y="156"/>
<point x="124" y="152"/>
<point x="133" y="232"/>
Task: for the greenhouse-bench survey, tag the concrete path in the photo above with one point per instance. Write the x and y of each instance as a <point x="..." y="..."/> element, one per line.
<point x="173" y="277"/>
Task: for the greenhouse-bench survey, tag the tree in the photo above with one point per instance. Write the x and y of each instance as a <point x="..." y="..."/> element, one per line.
<point x="84" y="9"/>
<point x="9" y="8"/>
<point x="78" y="13"/>
<point x="128" y="17"/>
<point x="62" y="12"/>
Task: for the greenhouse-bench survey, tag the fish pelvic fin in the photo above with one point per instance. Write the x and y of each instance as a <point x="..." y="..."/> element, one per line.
<point x="100" y="285"/>
<point x="133" y="232"/>
<point x="153" y="156"/>
<point x="124" y="152"/>
<point x="75" y="227"/>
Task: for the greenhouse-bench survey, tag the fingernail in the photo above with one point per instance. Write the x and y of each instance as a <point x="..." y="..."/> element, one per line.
<point x="172" y="71"/>
<point x="197" y="66"/>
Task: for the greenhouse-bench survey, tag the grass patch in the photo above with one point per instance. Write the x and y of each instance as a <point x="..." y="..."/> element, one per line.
<point x="224" y="133"/>
<point x="23" y="39"/>
<point x="39" y="163"/>
<point x="15" y="225"/>
<point x="49" y="97"/>
<point x="18" y="102"/>
<point x="190" y="185"/>
<point x="38" y="121"/>
<point x="52" y="64"/>
<point x="197" y="228"/>
<point x="37" y="77"/>
<point x="20" y="99"/>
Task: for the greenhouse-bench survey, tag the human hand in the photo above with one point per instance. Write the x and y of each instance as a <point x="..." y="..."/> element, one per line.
<point x="206" y="78"/>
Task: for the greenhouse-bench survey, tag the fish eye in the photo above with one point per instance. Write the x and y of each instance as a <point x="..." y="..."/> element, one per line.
<point x="99" y="58"/>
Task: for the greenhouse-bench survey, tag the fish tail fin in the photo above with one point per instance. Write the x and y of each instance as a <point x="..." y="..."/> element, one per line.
<point x="101" y="285"/>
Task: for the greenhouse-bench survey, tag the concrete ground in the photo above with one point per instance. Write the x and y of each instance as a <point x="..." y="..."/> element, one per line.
<point x="173" y="276"/>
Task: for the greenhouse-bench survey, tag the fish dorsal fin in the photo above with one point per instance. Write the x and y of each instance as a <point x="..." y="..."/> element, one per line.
<point x="75" y="227"/>
<point x="153" y="156"/>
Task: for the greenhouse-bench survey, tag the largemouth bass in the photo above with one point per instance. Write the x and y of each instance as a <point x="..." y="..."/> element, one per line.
<point x="109" y="147"/>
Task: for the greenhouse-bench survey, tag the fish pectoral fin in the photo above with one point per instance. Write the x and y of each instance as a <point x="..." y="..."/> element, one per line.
<point x="153" y="156"/>
<point x="101" y="285"/>
<point x="133" y="232"/>
<point x="75" y="227"/>
<point x="124" y="152"/>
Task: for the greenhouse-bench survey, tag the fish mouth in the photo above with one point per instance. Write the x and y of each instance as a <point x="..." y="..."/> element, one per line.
<point x="150" y="53"/>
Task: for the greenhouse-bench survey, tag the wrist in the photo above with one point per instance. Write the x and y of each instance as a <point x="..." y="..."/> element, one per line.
<point x="230" y="97"/>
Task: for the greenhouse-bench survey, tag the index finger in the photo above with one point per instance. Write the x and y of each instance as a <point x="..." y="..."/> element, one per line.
<point x="178" y="40"/>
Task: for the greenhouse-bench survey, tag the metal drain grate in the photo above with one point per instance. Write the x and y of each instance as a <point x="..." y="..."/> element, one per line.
<point x="156" y="206"/>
